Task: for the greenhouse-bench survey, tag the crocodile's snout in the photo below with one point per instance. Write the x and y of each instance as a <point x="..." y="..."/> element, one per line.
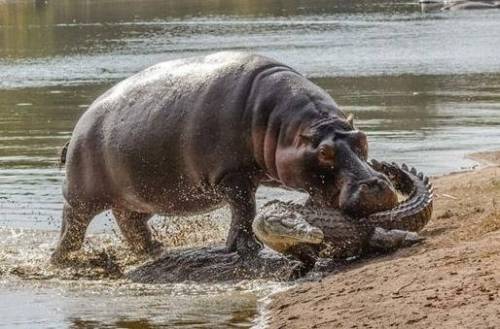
<point x="285" y="231"/>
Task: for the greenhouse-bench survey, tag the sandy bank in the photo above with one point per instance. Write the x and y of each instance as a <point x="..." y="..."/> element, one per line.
<point x="452" y="280"/>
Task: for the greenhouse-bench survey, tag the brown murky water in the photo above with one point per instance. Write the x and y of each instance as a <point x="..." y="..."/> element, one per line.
<point x="425" y="86"/>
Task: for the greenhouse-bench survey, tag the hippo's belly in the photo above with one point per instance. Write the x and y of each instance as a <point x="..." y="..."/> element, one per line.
<point x="166" y="204"/>
<point x="174" y="198"/>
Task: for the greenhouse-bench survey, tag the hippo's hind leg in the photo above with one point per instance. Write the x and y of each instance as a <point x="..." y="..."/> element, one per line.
<point x="239" y="192"/>
<point x="74" y="225"/>
<point x="134" y="227"/>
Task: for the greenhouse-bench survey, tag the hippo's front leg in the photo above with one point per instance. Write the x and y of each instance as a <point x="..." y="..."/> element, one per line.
<point x="239" y="192"/>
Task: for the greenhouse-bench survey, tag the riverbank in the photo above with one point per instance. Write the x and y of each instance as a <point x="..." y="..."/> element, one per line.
<point x="452" y="280"/>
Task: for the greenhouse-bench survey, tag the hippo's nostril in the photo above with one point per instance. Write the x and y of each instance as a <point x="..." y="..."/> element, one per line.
<point x="382" y="183"/>
<point x="374" y="185"/>
<point x="371" y="183"/>
<point x="385" y="179"/>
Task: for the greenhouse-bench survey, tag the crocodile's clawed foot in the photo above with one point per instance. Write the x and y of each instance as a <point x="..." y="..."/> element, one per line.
<point x="393" y="239"/>
<point x="299" y="270"/>
<point x="411" y="238"/>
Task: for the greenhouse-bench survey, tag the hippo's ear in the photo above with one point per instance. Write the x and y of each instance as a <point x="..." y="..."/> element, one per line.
<point x="326" y="155"/>
<point x="350" y="120"/>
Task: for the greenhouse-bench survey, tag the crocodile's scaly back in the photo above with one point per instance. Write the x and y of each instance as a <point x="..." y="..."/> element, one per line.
<point x="412" y="214"/>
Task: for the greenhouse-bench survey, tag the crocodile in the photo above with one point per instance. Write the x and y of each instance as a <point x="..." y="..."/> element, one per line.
<point x="308" y="233"/>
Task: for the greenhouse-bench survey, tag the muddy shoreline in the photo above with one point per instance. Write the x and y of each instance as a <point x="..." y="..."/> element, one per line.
<point x="451" y="280"/>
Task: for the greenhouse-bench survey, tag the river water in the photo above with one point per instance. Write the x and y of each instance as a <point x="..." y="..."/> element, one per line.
<point x="425" y="86"/>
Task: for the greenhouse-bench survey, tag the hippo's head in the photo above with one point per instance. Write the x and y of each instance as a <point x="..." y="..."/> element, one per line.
<point x="330" y="163"/>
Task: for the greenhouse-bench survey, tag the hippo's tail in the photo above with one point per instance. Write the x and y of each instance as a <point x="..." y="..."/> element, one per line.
<point x="62" y="154"/>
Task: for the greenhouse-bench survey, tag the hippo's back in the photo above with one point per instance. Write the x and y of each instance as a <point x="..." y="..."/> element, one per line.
<point x="182" y="117"/>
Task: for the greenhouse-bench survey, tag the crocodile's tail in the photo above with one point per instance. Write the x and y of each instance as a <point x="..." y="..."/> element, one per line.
<point x="415" y="212"/>
<point x="62" y="154"/>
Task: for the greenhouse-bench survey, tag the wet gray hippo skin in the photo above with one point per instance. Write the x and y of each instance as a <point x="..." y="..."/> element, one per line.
<point x="188" y="136"/>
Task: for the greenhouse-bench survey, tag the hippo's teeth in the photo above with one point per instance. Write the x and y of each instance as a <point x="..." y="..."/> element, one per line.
<point x="413" y="171"/>
<point x="404" y="166"/>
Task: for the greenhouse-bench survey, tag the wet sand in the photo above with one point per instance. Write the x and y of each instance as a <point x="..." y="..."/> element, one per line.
<point x="452" y="280"/>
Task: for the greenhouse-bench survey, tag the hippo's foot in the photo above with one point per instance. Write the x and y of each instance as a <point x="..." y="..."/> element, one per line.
<point x="59" y="258"/>
<point x="153" y="248"/>
<point x="248" y="248"/>
<point x="74" y="224"/>
<point x="393" y="239"/>
<point x="245" y="244"/>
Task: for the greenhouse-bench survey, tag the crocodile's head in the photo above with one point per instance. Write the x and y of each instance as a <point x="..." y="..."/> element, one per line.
<point x="281" y="232"/>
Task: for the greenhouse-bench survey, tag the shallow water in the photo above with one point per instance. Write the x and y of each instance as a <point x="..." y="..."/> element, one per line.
<point x="424" y="86"/>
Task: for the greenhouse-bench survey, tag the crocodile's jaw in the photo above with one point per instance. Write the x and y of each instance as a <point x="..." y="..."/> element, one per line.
<point x="283" y="233"/>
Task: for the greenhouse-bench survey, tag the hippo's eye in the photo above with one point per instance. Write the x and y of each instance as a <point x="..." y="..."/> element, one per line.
<point x="326" y="155"/>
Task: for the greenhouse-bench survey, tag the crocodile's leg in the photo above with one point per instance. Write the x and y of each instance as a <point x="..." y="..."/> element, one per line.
<point x="392" y="239"/>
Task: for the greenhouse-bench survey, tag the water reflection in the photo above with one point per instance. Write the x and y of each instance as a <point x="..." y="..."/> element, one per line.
<point x="72" y="43"/>
<point x="146" y="324"/>
<point x="45" y="28"/>
<point x="34" y="123"/>
<point x="125" y="324"/>
<point x="419" y="102"/>
<point x="56" y="303"/>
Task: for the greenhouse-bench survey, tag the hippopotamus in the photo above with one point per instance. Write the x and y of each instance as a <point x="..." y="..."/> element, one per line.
<point x="187" y="136"/>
